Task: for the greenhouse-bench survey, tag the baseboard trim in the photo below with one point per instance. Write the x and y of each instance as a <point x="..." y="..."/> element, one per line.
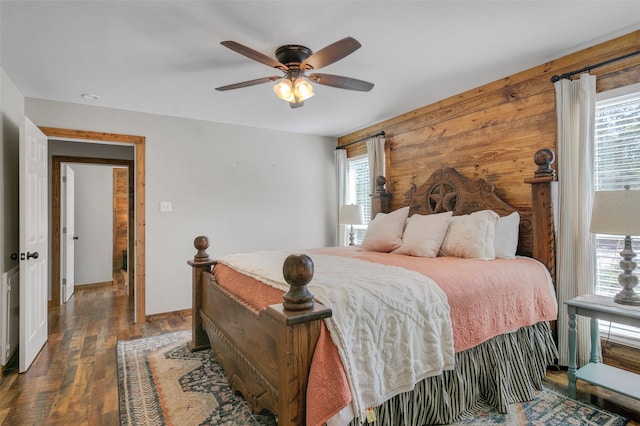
<point x="92" y="285"/>
<point x="165" y="315"/>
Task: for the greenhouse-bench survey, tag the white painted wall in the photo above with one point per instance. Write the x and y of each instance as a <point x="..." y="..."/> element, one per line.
<point x="93" y="223"/>
<point x="246" y="188"/>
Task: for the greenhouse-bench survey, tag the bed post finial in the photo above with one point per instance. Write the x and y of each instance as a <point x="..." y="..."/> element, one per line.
<point x="381" y="198"/>
<point x="544" y="158"/>
<point x="201" y="243"/>
<point x="298" y="271"/>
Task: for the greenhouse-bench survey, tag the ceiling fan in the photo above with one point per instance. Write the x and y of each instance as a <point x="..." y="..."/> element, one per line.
<point x="294" y="61"/>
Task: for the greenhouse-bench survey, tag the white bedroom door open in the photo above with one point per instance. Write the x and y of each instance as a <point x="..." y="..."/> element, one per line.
<point x="34" y="241"/>
<point x="68" y="232"/>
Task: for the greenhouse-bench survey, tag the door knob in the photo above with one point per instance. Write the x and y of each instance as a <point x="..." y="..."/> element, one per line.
<point x="34" y="255"/>
<point x="75" y="237"/>
<point x="14" y="256"/>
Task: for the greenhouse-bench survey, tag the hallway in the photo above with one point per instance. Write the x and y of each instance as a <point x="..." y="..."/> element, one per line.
<point x="73" y="380"/>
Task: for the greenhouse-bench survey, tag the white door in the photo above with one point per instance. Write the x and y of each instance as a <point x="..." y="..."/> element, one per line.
<point x="68" y="232"/>
<point x="33" y="244"/>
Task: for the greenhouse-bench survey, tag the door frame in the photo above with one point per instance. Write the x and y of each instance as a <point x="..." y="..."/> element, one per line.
<point x="56" y="216"/>
<point x="138" y="175"/>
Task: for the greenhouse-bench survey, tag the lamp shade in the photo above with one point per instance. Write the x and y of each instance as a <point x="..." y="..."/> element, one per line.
<point x="351" y="214"/>
<point x="616" y="213"/>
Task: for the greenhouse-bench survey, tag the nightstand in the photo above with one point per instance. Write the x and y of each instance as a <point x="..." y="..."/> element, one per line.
<point x="601" y="307"/>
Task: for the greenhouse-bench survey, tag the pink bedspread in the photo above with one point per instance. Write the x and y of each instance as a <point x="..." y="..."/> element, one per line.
<point x="486" y="298"/>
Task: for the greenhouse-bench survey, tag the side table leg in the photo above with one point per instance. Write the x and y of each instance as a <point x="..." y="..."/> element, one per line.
<point x="571" y="374"/>
<point x="595" y="341"/>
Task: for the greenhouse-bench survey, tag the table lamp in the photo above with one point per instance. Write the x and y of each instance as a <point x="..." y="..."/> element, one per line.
<point x="616" y="213"/>
<point x="351" y="214"/>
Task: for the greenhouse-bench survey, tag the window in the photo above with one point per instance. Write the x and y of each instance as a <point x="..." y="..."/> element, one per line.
<point x="358" y="191"/>
<point x="616" y="164"/>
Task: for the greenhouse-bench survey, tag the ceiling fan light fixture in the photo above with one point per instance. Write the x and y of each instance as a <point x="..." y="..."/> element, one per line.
<point x="284" y="90"/>
<point x="302" y="89"/>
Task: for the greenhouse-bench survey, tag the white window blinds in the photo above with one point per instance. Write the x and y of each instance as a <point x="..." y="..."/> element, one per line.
<point x="616" y="164"/>
<point x="358" y="191"/>
<point x="617" y="150"/>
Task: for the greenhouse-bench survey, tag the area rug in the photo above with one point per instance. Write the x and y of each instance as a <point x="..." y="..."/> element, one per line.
<point x="161" y="382"/>
<point x="549" y="408"/>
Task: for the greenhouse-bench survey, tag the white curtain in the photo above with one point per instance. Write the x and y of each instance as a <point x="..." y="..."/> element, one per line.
<point x="376" y="156"/>
<point x="575" y="252"/>
<point x="341" y="180"/>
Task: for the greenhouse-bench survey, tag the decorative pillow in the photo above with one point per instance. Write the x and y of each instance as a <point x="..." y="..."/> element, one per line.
<point x="384" y="232"/>
<point x="424" y="234"/>
<point x="471" y="236"/>
<point x="506" y="242"/>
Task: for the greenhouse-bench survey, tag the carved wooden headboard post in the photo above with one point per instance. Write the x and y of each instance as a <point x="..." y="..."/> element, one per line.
<point x="543" y="193"/>
<point x="200" y="263"/>
<point x="381" y="199"/>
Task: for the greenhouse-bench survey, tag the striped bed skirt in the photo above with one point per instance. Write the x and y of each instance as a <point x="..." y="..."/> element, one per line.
<point x="506" y="369"/>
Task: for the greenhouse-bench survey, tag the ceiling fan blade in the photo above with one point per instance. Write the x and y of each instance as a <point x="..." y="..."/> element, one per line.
<point x="254" y="54"/>
<point x="341" y="82"/>
<point x="249" y="83"/>
<point x="331" y="53"/>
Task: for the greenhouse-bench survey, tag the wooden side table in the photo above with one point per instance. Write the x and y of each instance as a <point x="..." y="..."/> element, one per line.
<point x="601" y="307"/>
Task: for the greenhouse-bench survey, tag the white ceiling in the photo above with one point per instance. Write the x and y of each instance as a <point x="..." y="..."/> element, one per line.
<point x="165" y="57"/>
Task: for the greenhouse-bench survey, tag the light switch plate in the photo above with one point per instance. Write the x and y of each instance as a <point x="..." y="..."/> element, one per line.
<point x="165" y="206"/>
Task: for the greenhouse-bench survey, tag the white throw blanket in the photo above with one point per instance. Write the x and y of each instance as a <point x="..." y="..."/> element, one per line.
<point x="391" y="326"/>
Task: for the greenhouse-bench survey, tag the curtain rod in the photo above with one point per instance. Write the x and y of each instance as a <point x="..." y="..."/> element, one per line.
<point x="360" y="140"/>
<point x="589" y="68"/>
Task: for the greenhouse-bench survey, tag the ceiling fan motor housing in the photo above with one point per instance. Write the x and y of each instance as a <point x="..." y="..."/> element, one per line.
<point x="292" y="54"/>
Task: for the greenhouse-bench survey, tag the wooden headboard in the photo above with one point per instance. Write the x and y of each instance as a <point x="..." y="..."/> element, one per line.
<point x="447" y="190"/>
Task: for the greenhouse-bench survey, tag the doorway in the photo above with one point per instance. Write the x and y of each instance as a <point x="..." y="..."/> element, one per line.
<point x="56" y="219"/>
<point x="137" y="257"/>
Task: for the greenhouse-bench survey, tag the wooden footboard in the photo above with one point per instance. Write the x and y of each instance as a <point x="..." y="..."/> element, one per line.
<point x="266" y="355"/>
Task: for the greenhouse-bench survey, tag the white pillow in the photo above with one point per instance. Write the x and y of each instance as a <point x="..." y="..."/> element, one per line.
<point x="471" y="236"/>
<point x="384" y="232"/>
<point x="424" y="234"/>
<point x="506" y="241"/>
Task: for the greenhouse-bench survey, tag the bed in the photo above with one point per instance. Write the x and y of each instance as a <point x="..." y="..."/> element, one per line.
<point x="275" y="345"/>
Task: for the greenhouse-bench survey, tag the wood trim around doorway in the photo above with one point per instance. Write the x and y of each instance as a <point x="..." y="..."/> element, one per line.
<point x="139" y="171"/>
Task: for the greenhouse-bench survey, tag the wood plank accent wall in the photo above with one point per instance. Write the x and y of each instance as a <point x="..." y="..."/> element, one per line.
<point x="492" y="131"/>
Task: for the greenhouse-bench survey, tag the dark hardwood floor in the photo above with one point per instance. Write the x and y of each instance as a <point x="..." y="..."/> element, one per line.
<point x="73" y="380"/>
